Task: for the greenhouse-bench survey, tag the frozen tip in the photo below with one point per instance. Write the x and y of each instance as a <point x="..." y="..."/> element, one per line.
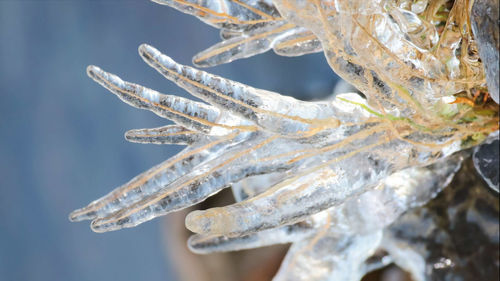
<point x="81" y="215"/>
<point x="198" y="222"/>
<point x="93" y="70"/>
<point x="202" y="63"/>
<point x="209" y="222"/>
<point x="73" y="216"/>
<point x="98" y="227"/>
<point x="145" y="49"/>
<point x="130" y="135"/>
<point x="133" y="136"/>
<point x="196" y="245"/>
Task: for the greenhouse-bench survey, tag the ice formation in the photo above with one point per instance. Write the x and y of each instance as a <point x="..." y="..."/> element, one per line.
<point x="331" y="177"/>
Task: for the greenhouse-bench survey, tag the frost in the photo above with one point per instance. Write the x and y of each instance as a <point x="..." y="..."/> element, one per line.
<point x="329" y="176"/>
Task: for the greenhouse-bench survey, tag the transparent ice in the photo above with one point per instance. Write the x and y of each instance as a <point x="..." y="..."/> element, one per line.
<point x="327" y="176"/>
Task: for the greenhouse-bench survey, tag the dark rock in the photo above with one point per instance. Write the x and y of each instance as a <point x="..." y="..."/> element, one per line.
<point x="484" y="19"/>
<point x="458" y="239"/>
<point x="486" y="160"/>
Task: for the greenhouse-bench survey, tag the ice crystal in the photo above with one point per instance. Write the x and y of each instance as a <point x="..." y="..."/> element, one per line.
<point x="328" y="176"/>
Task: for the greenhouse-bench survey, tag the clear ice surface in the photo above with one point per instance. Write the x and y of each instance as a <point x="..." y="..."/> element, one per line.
<point x="330" y="177"/>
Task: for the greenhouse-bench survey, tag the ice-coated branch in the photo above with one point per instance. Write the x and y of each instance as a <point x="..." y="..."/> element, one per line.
<point x="247" y="28"/>
<point x="152" y="181"/>
<point x="297" y="42"/>
<point x="205" y="244"/>
<point x="330" y="186"/>
<point x="349" y="235"/>
<point x="171" y="134"/>
<point x="329" y="177"/>
<point x="247" y="44"/>
<point x="269" y="110"/>
<point x="311" y="146"/>
<point x="193" y="115"/>
<point x="393" y="55"/>
<point x="326" y="256"/>
<point x="228" y="14"/>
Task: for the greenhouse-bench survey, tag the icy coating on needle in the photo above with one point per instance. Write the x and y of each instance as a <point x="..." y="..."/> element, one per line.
<point x="328" y="176"/>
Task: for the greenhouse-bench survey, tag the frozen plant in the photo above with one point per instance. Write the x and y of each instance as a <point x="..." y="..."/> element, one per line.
<point x="328" y="176"/>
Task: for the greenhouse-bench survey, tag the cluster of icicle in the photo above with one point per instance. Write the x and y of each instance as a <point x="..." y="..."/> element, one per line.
<point x="329" y="176"/>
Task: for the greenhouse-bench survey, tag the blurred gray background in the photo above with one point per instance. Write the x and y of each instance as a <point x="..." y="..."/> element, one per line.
<point x="61" y="142"/>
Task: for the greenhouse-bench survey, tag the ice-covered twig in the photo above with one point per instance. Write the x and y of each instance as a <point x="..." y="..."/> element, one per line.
<point x="245" y="132"/>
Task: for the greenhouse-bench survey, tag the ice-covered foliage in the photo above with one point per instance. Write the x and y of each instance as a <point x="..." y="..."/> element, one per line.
<point x="329" y="176"/>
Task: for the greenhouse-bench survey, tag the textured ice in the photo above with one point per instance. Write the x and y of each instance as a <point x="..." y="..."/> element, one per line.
<point x="332" y="176"/>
